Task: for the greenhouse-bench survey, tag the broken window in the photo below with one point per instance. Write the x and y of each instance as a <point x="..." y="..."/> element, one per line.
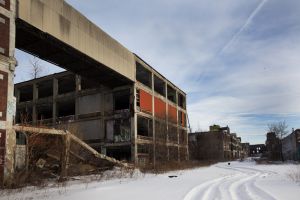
<point x="26" y="93"/>
<point x="171" y="94"/>
<point x="143" y="75"/>
<point x="144" y="126"/>
<point x="45" y="89"/>
<point x="122" y="100"/>
<point x="181" y="100"/>
<point x="159" y="86"/>
<point x="66" y="108"/>
<point x="66" y="84"/>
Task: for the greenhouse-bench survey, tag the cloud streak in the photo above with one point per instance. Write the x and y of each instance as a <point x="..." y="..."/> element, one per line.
<point x="244" y="27"/>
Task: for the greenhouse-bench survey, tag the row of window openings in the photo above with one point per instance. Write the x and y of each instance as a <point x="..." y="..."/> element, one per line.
<point x="65" y="85"/>
<point x="145" y="127"/>
<point x="67" y="108"/>
<point x="144" y="76"/>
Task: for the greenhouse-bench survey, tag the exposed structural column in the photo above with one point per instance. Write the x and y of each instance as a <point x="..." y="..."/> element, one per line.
<point x="7" y="99"/>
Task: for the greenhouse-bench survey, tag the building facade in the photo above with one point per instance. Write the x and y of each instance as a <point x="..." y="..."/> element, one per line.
<point x="273" y="145"/>
<point x="143" y="121"/>
<point x="217" y="144"/>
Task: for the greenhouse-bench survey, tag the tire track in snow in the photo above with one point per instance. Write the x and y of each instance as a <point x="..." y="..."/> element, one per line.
<point x="241" y="185"/>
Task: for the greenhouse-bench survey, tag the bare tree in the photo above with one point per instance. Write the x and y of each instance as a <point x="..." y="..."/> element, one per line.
<point x="36" y="68"/>
<point x="281" y="130"/>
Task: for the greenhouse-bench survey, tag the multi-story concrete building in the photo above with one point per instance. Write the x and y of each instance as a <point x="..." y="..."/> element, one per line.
<point x="143" y="121"/>
<point x="133" y="96"/>
<point x="216" y="144"/>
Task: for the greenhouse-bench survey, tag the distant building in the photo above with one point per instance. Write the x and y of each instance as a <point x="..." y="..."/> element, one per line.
<point x="216" y="144"/>
<point x="291" y="146"/>
<point x="257" y="150"/>
<point x="245" y="150"/>
<point x="273" y="145"/>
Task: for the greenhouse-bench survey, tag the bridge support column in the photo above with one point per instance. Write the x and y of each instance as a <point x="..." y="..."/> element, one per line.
<point x="7" y="99"/>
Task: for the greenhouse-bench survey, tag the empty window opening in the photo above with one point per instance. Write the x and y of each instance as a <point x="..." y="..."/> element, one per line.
<point x="138" y="99"/>
<point x="87" y="83"/>
<point x="143" y="75"/>
<point x="144" y="149"/>
<point x="181" y="118"/>
<point x="182" y="136"/>
<point x="24" y="115"/>
<point x="44" y="112"/>
<point x="66" y="84"/>
<point x="26" y="93"/>
<point x="160" y="131"/>
<point x="172" y="134"/>
<point x="144" y="126"/>
<point x="118" y="130"/>
<point x="119" y="153"/>
<point x="159" y="86"/>
<point x="66" y="108"/>
<point x="181" y="100"/>
<point x="20" y="138"/>
<point x="121" y="100"/>
<point x="45" y="89"/>
<point x="171" y="94"/>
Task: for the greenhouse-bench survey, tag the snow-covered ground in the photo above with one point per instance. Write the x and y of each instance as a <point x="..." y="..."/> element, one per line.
<point x="240" y="180"/>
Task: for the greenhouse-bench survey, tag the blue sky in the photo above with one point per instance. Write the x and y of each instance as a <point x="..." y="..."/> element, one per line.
<point x="237" y="60"/>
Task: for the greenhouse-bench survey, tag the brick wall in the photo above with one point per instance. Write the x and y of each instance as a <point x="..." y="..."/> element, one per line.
<point x="4" y="33"/>
<point x="5" y="4"/>
<point x="2" y="153"/>
<point x="3" y="94"/>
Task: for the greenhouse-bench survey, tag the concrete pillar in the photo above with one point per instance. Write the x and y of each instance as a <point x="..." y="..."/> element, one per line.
<point x="7" y="99"/>
<point x="34" y="100"/>
<point x="153" y="123"/>
<point x="134" y="128"/>
<point x="54" y="107"/>
<point x="78" y="89"/>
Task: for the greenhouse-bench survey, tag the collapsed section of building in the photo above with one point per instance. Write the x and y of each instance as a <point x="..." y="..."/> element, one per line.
<point x="217" y="144"/>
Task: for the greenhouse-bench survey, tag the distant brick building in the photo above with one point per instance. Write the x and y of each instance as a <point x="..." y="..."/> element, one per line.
<point x="273" y="145"/>
<point x="216" y="144"/>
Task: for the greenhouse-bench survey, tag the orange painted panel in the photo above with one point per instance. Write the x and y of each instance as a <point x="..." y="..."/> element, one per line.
<point x="145" y="101"/>
<point x="183" y="119"/>
<point x="160" y="108"/>
<point x="172" y="113"/>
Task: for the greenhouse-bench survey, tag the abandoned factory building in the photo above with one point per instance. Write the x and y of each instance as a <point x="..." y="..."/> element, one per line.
<point x="217" y="144"/>
<point x="143" y="121"/>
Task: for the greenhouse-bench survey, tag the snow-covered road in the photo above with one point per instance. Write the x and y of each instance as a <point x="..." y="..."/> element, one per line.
<point x="240" y="185"/>
<point x="239" y="180"/>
